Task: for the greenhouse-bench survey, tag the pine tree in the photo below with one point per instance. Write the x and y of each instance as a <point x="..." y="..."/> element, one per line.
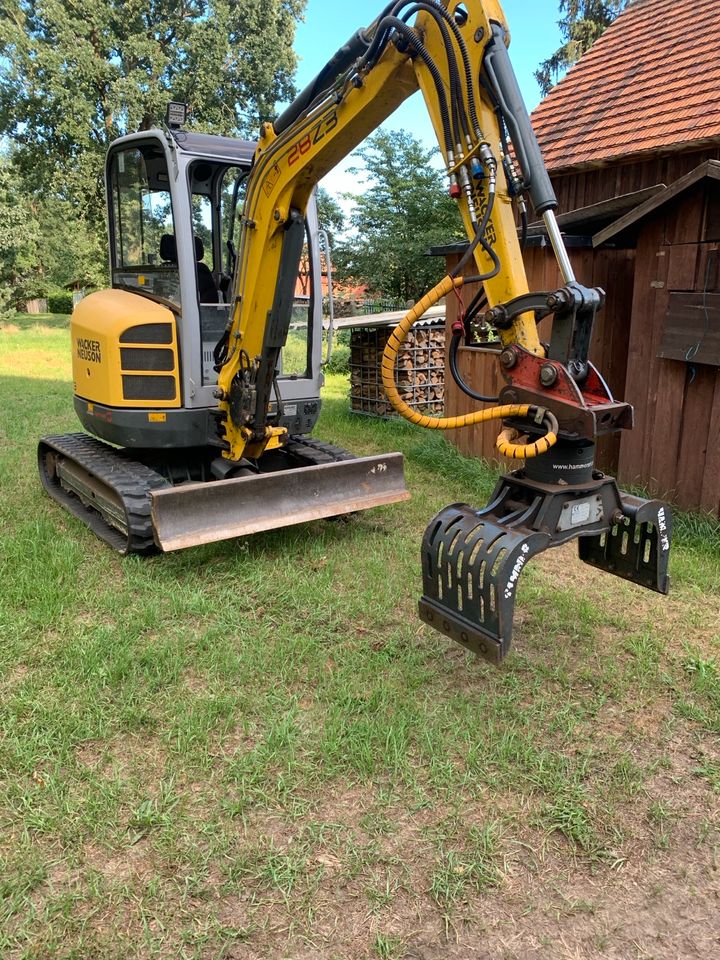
<point x="583" y="23"/>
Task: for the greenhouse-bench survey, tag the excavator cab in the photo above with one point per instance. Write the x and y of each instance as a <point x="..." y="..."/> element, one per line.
<point x="174" y="200"/>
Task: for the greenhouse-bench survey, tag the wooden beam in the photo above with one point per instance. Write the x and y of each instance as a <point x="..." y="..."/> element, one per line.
<point x="711" y="168"/>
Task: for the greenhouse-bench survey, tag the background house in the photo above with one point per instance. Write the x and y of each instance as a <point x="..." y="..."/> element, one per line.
<point x="631" y="137"/>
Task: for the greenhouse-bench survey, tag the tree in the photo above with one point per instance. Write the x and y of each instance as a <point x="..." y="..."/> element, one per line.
<point x="405" y="210"/>
<point x="75" y="74"/>
<point x="18" y="241"/>
<point x="330" y="216"/>
<point x="43" y="244"/>
<point x="583" y="23"/>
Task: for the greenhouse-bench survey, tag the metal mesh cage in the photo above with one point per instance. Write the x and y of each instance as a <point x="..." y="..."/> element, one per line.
<point x="420" y="369"/>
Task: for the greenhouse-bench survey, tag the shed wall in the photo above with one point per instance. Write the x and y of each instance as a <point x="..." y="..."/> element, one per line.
<point x="582" y="188"/>
<point x="674" y="448"/>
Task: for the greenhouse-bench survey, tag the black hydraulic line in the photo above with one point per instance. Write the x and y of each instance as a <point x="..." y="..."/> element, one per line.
<point x="457" y="376"/>
<point x="440" y="11"/>
<point x="355" y="47"/>
<point x="416" y="45"/>
<point x="476" y="305"/>
<point x="455" y="82"/>
<point x="523" y="229"/>
<point x="482" y="277"/>
<point x="507" y="93"/>
<point x="479" y="239"/>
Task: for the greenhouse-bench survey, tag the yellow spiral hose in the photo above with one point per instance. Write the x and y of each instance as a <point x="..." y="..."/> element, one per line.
<point x="396" y="340"/>
<point x="523" y="451"/>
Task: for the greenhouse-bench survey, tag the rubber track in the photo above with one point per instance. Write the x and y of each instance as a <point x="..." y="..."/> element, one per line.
<point x="316" y="451"/>
<point x="131" y="481"/>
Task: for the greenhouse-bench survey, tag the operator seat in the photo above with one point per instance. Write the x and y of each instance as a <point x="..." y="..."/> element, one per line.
<point x="168" y="248"/>
<point x="207" y="290"/>
<point x="206" y="285"/>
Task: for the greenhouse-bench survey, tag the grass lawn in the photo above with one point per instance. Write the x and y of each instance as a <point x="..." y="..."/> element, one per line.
<point x="255" y="750"/>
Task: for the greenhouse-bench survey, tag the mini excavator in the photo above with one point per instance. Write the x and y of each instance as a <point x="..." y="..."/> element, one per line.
<point x="201" y="413"/>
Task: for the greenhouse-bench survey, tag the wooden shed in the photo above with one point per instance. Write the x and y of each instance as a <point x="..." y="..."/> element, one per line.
<point x="631" y="137"/>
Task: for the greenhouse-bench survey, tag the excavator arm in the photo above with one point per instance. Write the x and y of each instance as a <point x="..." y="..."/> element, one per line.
<point x="442" y="54"/>
<point x="554" y="403"/>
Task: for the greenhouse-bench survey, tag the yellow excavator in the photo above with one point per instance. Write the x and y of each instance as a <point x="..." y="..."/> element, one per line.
<point x="198" y="375"/>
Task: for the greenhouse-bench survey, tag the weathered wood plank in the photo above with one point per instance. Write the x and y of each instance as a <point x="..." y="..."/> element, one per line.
<point x="692" y="328"/>
<point x="661" y="441"/>
<point x="708" y="168"/>
<point x="682" y="266"/>
<point x="694" y="435"/>
<point x="710" y="489"/>
<point x="650" y="272"/>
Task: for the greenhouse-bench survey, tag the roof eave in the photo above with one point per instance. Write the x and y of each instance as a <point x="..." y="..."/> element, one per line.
<point x="708" y="169"/>
<point x="686" y="146"/>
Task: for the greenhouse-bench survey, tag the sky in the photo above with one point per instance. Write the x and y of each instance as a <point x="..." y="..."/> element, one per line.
<point x="328" y="24"/>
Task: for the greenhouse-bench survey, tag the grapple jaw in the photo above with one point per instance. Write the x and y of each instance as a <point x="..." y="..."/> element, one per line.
<point x="472" y="559"/>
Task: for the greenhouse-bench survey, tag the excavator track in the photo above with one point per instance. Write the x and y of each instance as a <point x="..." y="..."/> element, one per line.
<point x="316" y="451"/>
<point x="111" y="493"/>
<point x="103" y="487"/>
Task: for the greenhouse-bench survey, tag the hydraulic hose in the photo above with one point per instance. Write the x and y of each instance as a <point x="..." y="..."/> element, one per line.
<point x="457" y="376"/>
<point x="456" y="92"/>
<point x="506" y="446"/>
<point x="479" y="239"/>
<point x="413" y="41"/>
<point x="395" y="341"/>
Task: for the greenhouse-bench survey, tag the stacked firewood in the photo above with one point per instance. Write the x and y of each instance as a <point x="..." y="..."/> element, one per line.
<point x="419" y="373"/>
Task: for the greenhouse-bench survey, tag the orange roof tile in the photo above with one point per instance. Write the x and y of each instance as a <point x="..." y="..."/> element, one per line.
<point x="650" y="83"/>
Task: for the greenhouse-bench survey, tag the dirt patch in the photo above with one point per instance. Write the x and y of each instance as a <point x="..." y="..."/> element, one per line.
<point x="677" y="616"/>
<point x="13" y="678"/>
<point x="133" y="863"/>
<point x="145" y="756"/>
<point x="548" y="908"/>
<point x="368" y="877"/>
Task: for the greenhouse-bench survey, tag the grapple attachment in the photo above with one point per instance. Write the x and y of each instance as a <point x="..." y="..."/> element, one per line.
<point x="472" y="559"/>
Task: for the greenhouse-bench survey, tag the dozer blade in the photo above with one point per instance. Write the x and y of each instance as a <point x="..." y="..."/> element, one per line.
<point x="472" y="559"/>
<point x="196" y="513"/>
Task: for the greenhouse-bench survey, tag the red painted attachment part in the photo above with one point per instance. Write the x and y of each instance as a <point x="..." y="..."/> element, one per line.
<point x="585" y="409"/>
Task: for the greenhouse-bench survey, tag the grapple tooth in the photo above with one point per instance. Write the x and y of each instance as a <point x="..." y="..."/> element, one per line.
<point x="636" y="548"/>
<point x="471" y="566"/>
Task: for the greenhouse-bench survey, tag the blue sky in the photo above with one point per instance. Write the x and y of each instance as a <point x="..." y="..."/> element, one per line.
<point x="328" y="24"/>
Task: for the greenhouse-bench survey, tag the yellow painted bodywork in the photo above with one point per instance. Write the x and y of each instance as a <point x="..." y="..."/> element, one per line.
<point x="98" y="322"/>
<point x="288" y="166"/>
<point x="511" y="281"/>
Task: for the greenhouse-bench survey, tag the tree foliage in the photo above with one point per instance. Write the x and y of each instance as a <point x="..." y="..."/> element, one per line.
<point x="76" y="74"/>
<point x="17" y="241"/>
<point x="404" y="211"/>
<point x="583" y="23"/>
<point x="43" y="244"/>
<point x="330" y="215"/>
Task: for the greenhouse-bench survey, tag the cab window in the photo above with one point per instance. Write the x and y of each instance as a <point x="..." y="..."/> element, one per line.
<point x="142" y="229"/>
<point x="295" y="355"/>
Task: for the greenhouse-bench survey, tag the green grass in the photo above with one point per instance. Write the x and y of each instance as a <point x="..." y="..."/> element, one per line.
<point x="255" y="749"/>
